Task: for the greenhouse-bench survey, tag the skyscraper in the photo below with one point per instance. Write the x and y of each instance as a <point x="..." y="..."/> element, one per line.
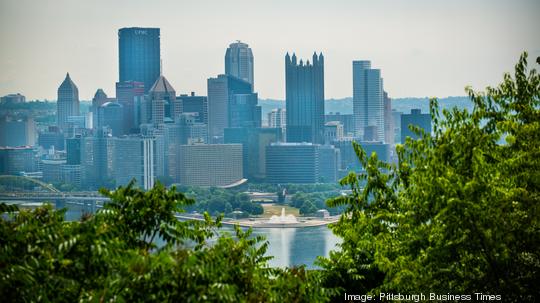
<point x="17" y="131"/>
<point x="111" y="115"/>
<point x="197" y="105"/>
<point x="388" y="120"/>
<point x="126" y="92"/>
<point x="277" y="118"/>
<point x="161" y="105"/>
<point x="244" y="111"/>
<point x="14" y="160"/>
<point x="134" y="158"/>
<point x="67" y="103"/>
<point x="139" y="55"/>
<point x="221" y="91"/>
<point x="96" y="158"/>
<point x="368" y="99"/>
<point x="254" y="142"/>
<point x="239" y="61"/>
<point x="301" y="163"/>
<point x="100" y="98"/>
<point x="346" y="120"/>
<point x="305" y="99"/>
<point x="415" y="118"/>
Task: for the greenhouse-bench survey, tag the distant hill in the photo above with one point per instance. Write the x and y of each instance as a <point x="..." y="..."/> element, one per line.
<point x="344" y="105"/>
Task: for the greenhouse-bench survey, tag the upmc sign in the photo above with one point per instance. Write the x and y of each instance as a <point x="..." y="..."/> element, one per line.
<point x="141" y="32"/>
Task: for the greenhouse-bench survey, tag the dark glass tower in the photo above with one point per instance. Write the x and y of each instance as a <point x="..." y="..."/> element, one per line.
<point x="304" y="85"/>
<point x="139" y="55"/>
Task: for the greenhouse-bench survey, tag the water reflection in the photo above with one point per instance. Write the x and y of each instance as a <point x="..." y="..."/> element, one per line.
<point x="288" y="246"/>
<point x="297" y="246"/>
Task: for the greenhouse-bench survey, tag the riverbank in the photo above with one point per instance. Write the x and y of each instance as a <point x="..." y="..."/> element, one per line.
<point x="263" y="222"/>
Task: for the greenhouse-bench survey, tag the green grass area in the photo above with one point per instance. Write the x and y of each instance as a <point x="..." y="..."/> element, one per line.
<point x="275" y="209"/>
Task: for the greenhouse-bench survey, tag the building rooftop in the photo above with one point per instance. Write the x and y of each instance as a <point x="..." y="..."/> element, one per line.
<point x="162" y="86"/>
<point x="68" y="83"/>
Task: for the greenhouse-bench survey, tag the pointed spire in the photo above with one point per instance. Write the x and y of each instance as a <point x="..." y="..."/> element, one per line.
<point x="68" y="83"/>
<point x="162" y="86"/>
<point x="294" y="58"/>
<point x="100" y="94"/>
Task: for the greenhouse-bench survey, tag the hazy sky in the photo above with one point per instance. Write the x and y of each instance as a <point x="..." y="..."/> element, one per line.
<point x="423" y="47"/>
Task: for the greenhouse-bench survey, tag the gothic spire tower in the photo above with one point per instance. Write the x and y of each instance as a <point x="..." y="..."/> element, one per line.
<point x="304" y="83"/>
<point x="67" y="103"/>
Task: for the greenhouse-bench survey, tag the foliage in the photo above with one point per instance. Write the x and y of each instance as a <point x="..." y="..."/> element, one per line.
<point x="294" y="188"/>
<point x="309" y="203"/>
<point x="459" y="214"/>
<point x="217" y="201"/>
<point x="112" y="256"/>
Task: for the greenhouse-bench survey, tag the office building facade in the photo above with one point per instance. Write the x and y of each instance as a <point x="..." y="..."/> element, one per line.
<point x="50" y="137"/>
<point x="134" y="158"/>
<point x="345" y="119"/>
<point x="67" y="103"/>
<point x="13" y="99"/>
<point x="239" y="61"/>
<point x="197" y="105"/>
<point x="304" y="84"/>
<point x="15" y="131"/>
<point x="111" y="115"/>
<point x="221" y="92"/>
<point x="244" y="111"/>
<point x="292" y="163"/>
<point x="161" y="105"/>
<point x="15" y="160"/>
<point x="100" y="98"/>
<point x="139" y="55"/>
<point x="368" y="99"/>
<point x="210" y="164"/>
<point x="126" y="93"/>
<point x="415" y="118"/>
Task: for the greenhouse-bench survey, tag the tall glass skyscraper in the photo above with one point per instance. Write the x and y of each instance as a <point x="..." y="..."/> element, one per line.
<point x="68" y="102"/>
<point x="222" y="100"/>
<point x="139" y="55"/>
<point x="368" y="99"/>
<point x="239" y="61"/>
<point x="305" y="99"/>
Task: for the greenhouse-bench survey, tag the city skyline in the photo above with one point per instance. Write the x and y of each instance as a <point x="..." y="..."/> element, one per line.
<point x="411" y="42"/>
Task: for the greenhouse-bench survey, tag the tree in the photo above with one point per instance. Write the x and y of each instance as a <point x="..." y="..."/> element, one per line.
<point x="113" y="256"/>
<point x="308" y="208"/>
<point x="460" y="212"/>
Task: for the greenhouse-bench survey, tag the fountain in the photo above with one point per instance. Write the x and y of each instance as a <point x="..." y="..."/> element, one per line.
<point x="288" y="219"/>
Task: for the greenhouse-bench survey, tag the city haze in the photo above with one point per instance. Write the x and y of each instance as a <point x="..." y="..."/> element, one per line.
<point x="424" y="48"/>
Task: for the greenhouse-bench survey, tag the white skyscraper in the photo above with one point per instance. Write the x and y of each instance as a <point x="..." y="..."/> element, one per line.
<point x="368" y="99"/>
<point x="277" y="118"/>
<point x="239" y="61"/>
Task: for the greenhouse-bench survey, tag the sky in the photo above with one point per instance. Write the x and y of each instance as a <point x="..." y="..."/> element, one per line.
<point x="423" y="47"/>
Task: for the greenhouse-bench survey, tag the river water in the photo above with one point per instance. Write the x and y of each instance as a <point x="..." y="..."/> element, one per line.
<point x="288" y="246"/>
